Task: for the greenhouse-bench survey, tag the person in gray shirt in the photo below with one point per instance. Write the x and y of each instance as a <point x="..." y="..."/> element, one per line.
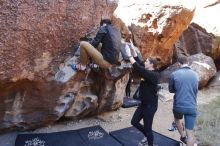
<point x="184" y="83"/>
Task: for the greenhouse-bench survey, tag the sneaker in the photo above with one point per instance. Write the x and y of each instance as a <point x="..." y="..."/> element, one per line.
<point x="77" y="67"/>
<point x="184" y="139"/>
<point x="173" y="127"/>
<point x="143" y="142"/>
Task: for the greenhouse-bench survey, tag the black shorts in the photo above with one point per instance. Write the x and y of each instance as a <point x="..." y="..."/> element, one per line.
<point x="177" y="115"/>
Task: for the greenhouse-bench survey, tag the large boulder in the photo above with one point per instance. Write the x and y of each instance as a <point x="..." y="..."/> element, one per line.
<point x="200" y="63"/>
<point x="204" y="66"/>
<point x="196" y="39"/>
<point x="163" y="92"/>
<point x="29" y="104"/>
<point x="102" y="91"/>
<point x="36" y="37"/>
<point x="215" y="81"/>
<point x="155" y="25"/>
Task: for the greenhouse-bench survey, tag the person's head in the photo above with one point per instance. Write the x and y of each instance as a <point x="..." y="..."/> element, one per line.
<point x="151" y="63"/>
<point x="183" y="60"/>
<point x="105" y="22"/>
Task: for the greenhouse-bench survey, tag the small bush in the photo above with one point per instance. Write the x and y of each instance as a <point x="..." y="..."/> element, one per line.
<point x="208" y="124"/>
<point x="218" y="39"/>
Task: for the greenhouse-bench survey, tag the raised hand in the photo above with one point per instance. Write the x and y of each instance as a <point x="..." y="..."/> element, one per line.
<point x="132" y="45"/>
<point x="134" y="53"/>
<point x="128" y="51"/>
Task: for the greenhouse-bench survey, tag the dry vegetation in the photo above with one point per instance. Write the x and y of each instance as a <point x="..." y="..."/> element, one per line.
<point x="218" y="39"/>
<point x="208" y="124"/>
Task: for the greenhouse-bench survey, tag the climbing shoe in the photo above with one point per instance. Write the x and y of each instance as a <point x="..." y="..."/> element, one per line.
<point x="77" y="67"/>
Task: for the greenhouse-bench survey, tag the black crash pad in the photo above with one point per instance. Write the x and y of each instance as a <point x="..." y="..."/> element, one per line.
<point x="131" y="137"/>
<point x="130" y="102"/>
<point x="90" y="136"/>
<point x="97" y="136"/>
<point x="65" y="138"/>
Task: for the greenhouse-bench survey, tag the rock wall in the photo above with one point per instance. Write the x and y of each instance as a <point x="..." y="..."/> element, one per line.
<point x="101" y="91"/>
<point x="155" y="25"/>
<point x="200" y="63"/>
<point x="204" y="66"/>
<point x="29" y="104"/>
<point x="36" y="37"/>
<point x="196" y="39"/>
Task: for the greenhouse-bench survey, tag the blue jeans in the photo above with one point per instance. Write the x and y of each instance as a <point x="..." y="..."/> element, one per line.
<point x="145" y="112"/>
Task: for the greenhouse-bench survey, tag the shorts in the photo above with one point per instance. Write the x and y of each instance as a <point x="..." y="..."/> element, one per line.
<point x="189" y="116"/>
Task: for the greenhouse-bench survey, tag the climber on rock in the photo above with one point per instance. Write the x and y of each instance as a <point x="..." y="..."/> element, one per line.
<point x="108" y="56"/>
<point x="110" y="38"/>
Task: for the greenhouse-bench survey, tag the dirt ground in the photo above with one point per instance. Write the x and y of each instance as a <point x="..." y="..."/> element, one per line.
<point x="117" y="120"/>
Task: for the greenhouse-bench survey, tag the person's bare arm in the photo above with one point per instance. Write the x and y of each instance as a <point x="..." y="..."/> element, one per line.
<point x="134" y="53"/>
<point x="129" y="54"/>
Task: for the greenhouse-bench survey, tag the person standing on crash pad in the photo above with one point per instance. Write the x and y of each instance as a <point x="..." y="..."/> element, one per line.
<point x="148" y="94"/>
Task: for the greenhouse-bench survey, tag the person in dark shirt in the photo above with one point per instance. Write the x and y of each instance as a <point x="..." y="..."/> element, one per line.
<point x="110" y="38"/>
<point x="148" y="94"/>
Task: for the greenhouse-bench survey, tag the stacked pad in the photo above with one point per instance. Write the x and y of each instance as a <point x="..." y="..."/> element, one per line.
<point x="129" y="102"/>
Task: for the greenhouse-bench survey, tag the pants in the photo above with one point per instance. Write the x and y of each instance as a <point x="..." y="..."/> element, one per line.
<point x="87" y="50"/>
<point x="128" y="88"/>
<point x="145" y="112"/>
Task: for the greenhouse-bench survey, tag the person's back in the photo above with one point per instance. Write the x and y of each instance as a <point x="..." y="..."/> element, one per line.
<point x="184" y="83"/>
<point x="186" y="87"/>
<point x="110" y="38"/>
<point x="111" y="44"/>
